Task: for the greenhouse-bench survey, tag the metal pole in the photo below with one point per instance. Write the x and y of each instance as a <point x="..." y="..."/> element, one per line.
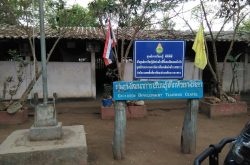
<point x="43" y="52"/>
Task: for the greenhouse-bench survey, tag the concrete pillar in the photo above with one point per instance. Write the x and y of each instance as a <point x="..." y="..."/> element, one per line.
<point x="245" y="72"/>
<point x="93" y="75"/>
<point x="45" y="126"/>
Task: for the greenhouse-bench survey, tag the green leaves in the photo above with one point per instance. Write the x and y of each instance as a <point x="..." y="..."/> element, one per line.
<point x="245" y="26"/>
<point x="26" y="12"/>
<point x="232" y="58"/>
<point x="76" y="16"/>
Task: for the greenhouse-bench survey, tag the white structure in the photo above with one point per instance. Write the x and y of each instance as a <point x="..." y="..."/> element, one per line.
<point x="77" y="80"/>
<point x="74" y="73"/>
<point x="67" y="79"/>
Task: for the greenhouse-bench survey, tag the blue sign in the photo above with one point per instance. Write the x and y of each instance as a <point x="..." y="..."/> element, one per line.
<point x="163" y="59"/>
<point x="156" y="90"/>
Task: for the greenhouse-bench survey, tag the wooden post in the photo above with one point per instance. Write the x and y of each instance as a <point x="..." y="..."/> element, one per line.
<point x="188" y="135"/>
<point x="119" y="130"/>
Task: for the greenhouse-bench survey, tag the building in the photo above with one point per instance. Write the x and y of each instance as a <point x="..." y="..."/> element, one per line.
<point x="74" y="71"/>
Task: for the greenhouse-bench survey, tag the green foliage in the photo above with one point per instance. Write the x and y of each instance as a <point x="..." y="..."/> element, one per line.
<point x="167" y="23"/>
<point x="52" y="7"/>
<point x="245" y="26"/>
<point x="12" y="83"/>
<point x="26" y="12"/>
<point x="7" y="13"/>
<point x="15" y="56"/>
<point x="228" y="7"/>
<point x="232" y="58"/>
<point x="127" y="13"/>
<point x="234" y="86"/>
<point x="76" y="16"/>
<point x="12" y="12"/>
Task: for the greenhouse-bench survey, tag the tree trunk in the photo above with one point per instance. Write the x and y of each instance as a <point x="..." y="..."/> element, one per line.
<point x="37" y="75"/>
<point x="220" y="89"/>
<point x="29" y="88"/>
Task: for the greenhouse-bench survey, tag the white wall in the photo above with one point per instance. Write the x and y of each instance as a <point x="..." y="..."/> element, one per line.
<point x="228" y="76"/>
<point x="67" y="79"/>
<point x="73" y="79"/>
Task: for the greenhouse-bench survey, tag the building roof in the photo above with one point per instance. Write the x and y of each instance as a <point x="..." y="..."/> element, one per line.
<point x="14" y="32"/>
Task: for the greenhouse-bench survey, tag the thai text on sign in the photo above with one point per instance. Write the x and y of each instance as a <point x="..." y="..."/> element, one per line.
<point x="155" y="90"/>
<point x="156" y="59"/>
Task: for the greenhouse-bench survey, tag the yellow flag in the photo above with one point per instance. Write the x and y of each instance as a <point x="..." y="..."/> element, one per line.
<point x="199" y="48"/>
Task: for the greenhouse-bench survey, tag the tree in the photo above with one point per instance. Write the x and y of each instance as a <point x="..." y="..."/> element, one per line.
<point x="167" y="23"/>
<point x="131" y="16"/>
<point x="79" y="17"/>
<point x="128" y="15"/>
<point x="13" y="12"/>
<point x="24" y="15"/>
<point x="230" y="12"/>
<point x="7" y="13"/>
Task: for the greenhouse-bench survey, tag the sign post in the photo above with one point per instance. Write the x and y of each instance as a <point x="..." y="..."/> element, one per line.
<point x="120" y="129"/>
<point x="157" y="60"/>
<point x="188" y="134"/>
<point x="157" y="90"/>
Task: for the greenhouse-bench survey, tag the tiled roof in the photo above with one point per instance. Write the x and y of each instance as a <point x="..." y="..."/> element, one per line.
<point x="97" y="33"/>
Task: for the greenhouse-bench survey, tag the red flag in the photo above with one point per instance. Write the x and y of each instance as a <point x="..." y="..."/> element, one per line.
<point x="109" y="44"/>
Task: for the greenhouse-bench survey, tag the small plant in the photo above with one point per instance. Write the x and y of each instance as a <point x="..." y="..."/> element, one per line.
<point x="111" y="75"/>
<point x="12" y="83"/>
<point x="15" y="83"/>
<point x="234" y="86"/>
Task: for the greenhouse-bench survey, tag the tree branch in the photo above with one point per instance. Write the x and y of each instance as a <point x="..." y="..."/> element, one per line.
<point x="36" y="77"/>
<point x="215" y="70"/>
<point x="238" y="21"/>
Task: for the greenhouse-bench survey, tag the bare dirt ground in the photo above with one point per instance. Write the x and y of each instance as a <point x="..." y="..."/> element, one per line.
<point x="153" y="140"/>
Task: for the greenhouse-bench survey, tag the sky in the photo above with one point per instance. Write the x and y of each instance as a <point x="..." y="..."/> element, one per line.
<point x="180" y="24"/>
